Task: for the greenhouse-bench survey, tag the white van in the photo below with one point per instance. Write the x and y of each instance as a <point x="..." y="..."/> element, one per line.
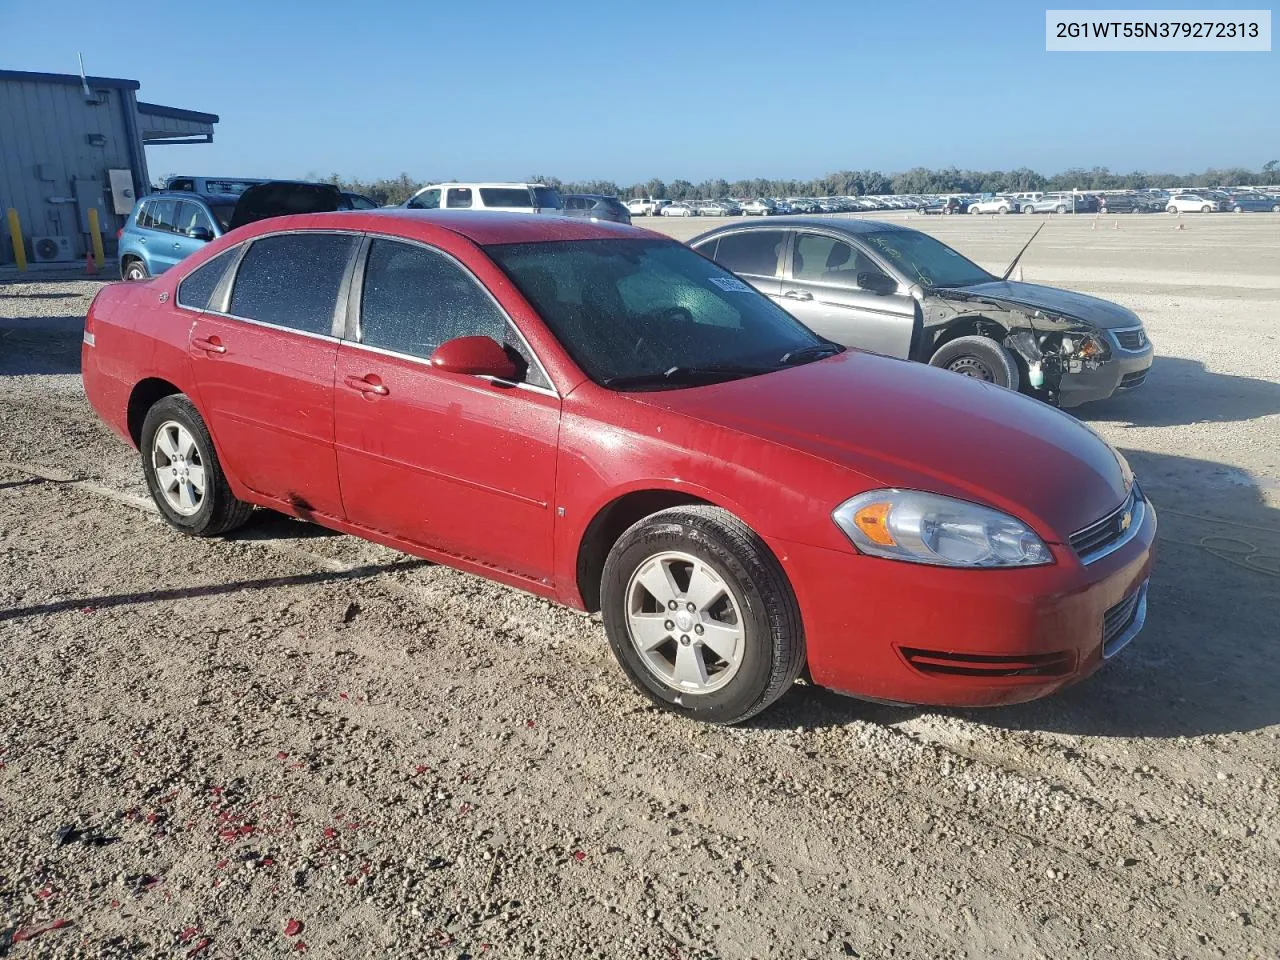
<point x="498" y="197"/>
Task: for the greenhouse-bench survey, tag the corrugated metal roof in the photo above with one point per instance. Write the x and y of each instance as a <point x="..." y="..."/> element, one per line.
<point x="25" y="76"/>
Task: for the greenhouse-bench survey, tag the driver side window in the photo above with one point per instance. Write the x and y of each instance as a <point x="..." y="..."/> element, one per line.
<point x="415" y="299"/>
<point x="821" y="259"/>
<point x="426" y="200"/>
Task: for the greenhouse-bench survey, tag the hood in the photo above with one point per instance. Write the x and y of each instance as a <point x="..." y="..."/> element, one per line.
<point x="1076" y="306"/>
<point x="903" y="424"/>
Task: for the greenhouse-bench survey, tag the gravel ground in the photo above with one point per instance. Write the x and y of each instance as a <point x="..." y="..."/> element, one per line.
<point x="294" y="741"/>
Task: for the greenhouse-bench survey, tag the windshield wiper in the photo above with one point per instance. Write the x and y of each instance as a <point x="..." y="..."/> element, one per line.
<point x="687" y="375"/>
<point x="815" y="352"/>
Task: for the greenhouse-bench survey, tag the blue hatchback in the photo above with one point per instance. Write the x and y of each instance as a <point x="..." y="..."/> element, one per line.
<point x="167" y="227"/>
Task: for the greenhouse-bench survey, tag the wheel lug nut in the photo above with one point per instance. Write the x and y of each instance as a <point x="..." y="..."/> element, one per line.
<point x="691" y="606"/>
<point x="671" y="604"/>
<point x="669" y="625"/>
<point x="699" y="629"/>
<point x="684" y="638"/>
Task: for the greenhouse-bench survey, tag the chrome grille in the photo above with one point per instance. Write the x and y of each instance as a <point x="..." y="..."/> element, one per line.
<point x="1103" y="536"/>
<point x="1135" y="338"/>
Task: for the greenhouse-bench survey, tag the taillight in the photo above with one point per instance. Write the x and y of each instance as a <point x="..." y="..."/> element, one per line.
<point x="120" y="233"/>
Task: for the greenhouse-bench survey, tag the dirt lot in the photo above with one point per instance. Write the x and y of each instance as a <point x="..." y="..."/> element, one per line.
<point x="298" y="741"/>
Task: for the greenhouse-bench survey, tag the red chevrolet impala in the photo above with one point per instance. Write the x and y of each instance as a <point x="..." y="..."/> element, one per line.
<point x="602" y="416"/>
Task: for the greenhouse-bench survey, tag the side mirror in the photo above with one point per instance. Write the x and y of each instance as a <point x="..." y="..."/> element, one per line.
<point x="877" y="283"/>
<point x="475" y="356"/>
<point x="203" y="234"/>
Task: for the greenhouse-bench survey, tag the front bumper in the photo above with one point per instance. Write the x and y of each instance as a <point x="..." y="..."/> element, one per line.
<point x="910" y="633"/>
<point x="1126" y="370"/>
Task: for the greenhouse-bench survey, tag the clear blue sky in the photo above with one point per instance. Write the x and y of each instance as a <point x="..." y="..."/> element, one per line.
<point x="575" y="88"/>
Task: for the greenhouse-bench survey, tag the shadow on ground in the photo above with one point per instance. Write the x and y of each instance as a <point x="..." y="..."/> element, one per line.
<point x="91" y="604"/>
<point x="1207" y="661"/>
<point x="40" y="345"/>
<point x="1180" y="391"/>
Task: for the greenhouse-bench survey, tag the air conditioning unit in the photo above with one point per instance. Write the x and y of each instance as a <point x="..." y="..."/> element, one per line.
<point x="51" y="249"/>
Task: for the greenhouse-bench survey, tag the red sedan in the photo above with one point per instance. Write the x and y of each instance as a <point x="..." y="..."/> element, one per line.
<point x="600" y="415"/>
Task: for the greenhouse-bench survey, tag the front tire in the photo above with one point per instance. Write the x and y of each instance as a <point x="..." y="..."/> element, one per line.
<point x="1060" y="208"/>
<point x="1206" y="209"/>
<point x="700" y="615"/>
<point x="183" y="473"/>
<point x="978" y="357"/>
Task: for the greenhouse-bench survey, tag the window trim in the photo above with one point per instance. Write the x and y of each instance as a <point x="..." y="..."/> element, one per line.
<point x="222" y="293"/>
<point x="353" y="334"/>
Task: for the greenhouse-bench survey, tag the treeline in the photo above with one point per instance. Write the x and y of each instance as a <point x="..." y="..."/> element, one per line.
<point x="861" y="183"/>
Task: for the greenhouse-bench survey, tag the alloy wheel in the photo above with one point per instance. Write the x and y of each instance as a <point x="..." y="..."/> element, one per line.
<point x="179" y="467"/>
<point x="685" y="623"/>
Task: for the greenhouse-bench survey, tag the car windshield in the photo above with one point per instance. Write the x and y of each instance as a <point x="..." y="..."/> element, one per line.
<point x="653" y="314"/>
<point x="924" y="260"/>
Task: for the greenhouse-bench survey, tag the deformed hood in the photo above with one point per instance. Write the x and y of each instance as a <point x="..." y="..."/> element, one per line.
<point x="1077" y="306"/>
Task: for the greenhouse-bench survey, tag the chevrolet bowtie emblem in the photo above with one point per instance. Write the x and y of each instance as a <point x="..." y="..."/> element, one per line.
<point x="1125" y="520"/>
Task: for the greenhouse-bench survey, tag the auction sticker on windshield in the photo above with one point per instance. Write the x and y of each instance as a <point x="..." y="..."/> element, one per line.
<point x="1158" y="30"/>
<point x="732" y="284"/>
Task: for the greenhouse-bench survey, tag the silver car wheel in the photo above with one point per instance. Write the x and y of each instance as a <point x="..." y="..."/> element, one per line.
<point x="685" y="623"/>
<point x="179" y="467"/>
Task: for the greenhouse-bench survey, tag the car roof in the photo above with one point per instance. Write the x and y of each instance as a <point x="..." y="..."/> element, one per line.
<point x="190" y="195"/>
<point x="850" y="226"/>
<point x="483" y="183"/>
<point x="478" y="226"/>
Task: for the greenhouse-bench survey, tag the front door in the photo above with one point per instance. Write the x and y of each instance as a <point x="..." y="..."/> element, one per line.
<point x="823" y="290"/>
<point x="264" y="369"/>
<point x="455" y="463"/>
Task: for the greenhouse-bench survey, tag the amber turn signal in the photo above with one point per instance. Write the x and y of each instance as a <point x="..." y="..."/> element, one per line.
<point x="873" y="521"/>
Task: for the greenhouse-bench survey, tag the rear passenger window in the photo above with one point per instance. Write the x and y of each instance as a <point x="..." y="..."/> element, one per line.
<point x="292" y="280"/>
<point x="505" y="197"/>
<point x="195" y="290"/>
<point x="459" y="198"/>
<point x="752" y="252"/>
<point x="159" y="215"/>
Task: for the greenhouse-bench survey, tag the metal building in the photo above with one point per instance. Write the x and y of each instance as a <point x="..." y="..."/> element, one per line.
<point x="69" y="143"/>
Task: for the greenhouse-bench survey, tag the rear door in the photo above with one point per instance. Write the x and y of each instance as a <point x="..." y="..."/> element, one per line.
<point x="453" y="462"/>
<point x="157" y="225"/>
<point x="263" y="357"/>
<point x="821" y="289"/>
<point x="754" y="255"/>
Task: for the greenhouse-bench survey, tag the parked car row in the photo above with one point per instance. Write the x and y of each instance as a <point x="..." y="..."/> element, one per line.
<point x="1138" y="201"/>
<point x="677" y="438"/>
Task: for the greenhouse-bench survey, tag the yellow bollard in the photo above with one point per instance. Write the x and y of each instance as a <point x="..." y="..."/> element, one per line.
<point x="15" y="232"/>
<point x="95" y="237"/>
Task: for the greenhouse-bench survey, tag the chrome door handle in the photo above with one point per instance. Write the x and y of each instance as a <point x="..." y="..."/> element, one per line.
<point x="798" y="295"/>
<point x="364" y="386"/>
<point x="210" y="345"/>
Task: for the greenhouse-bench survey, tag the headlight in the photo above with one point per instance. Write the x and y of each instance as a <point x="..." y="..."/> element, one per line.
<point x="928" y="528"/>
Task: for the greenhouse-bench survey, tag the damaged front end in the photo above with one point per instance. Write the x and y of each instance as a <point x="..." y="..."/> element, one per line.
<point x="1048" y="345"/>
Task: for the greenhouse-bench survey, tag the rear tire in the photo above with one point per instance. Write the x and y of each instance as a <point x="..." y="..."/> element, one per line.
<point x="706" y="558"/>
<point x="1060" y="208"/>
<point x="200" y="504"/>
<point x="981" y="358"/>
<point x="134" y="270"/>
<point x="1206" y="209"/>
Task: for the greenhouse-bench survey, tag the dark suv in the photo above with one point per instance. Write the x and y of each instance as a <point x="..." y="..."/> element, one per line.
<point x="596" y="206"/>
